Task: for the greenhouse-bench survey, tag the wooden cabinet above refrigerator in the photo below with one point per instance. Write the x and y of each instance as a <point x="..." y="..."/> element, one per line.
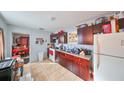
<point x="98" y="28"/>
<point x="85" y="34"/>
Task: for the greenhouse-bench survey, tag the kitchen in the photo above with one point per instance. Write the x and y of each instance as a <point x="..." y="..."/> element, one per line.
<point x="82" y="60"/>
<point x="74" y="52"/>
<point x="68" y="56"/>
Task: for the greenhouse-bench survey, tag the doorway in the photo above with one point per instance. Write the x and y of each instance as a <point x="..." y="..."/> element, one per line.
<point x="20" y="46"/>
<point x="1" y="44"/>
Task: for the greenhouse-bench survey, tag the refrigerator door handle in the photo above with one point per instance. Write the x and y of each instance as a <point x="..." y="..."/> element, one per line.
<point x="98" y="59"/>
<point x="98" y="62"/>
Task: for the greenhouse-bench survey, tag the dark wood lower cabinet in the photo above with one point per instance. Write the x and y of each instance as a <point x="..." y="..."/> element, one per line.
<point x="84" y="70"/>
<point x="76" y="65"/>
<point x="76" y="68"/>
<point x="68" y="65"/>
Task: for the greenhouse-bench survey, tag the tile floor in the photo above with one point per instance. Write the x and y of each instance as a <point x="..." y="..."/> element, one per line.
<point x="47" y="71"/>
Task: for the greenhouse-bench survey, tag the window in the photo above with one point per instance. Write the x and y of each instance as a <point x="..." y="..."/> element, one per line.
<point x="1" y="45"/>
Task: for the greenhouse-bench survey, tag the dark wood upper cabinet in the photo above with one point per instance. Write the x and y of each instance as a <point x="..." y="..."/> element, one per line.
<point x="97" y="28"/>
<point x="121" y="23"/>
<point x="88" y="35"/>
<point x="63" y="37"/>
<point x="80" y="38"/>
<point x="52" y="37"/>
<point x="85" y="35"/>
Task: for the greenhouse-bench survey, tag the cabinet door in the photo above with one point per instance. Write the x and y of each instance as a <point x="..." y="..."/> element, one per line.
<point x="68" y="65"/>
<point x="121" y="23"/>
<point x="80" y="38"/>
<point x="107" y="28"/>
<point x="62" y="62"/>
<point x="63" y="38"/>
<point x="51" y="38"/>
<point x="76" y="68"/>
<point x="88" y="35"/>
<point x="85" y="70"/>
<point x="97" y="28"/>
<point x="62" y="59"/>
<point x="57" y="57"/>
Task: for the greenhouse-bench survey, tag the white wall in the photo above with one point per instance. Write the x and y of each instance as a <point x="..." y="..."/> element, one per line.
<point x="33" y="34"/>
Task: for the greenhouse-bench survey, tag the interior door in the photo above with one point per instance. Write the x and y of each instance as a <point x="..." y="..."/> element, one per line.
<point x="1" y="45"/>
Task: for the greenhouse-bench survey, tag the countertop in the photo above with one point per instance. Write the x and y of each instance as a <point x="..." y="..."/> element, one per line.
<point x="87" y="57"/>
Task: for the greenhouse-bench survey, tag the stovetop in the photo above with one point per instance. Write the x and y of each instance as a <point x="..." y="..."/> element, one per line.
<point x="5" y="64"/>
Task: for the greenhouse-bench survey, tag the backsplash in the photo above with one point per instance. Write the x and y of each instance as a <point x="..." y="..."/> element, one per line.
<point x="89" y="47"/>
<point x="77" y="49"/>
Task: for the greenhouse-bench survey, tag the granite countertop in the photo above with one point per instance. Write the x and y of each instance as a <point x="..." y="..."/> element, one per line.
<point x="87" y="57"/>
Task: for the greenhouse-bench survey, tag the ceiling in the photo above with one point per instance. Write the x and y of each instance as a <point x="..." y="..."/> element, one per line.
<point x="49" y="20"/>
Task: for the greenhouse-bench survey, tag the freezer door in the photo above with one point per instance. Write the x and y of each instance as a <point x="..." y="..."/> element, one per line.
<point x="109" y="68"/>
<point x="111" y="44"/>
<point x="96" y="46"/>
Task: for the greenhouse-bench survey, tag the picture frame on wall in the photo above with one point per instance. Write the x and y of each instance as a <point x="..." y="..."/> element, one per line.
<point x="73" y="36"/>
<point x="39" y="41"/>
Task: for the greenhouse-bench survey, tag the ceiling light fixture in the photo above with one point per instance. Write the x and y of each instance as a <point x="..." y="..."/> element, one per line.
<point x="41" y="29"/>
<point x="53" y="18"/>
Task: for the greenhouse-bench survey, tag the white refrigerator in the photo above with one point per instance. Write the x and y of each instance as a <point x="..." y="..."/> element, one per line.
<point x="108" y="57"/>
